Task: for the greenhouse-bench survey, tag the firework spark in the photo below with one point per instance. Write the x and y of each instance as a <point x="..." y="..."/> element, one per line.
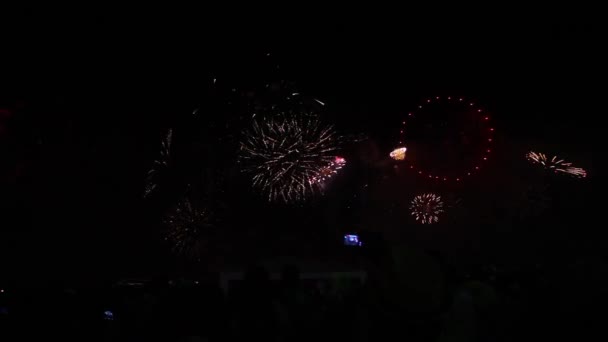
<point x="398" y="153"/>
<point x="159" y="164"/>
<point x="426" y="208"/>
<point x="284" y="154"/>
<point x="187" y="226"/>
<point x="555" y="164"/>
<point x="328" y="171"/>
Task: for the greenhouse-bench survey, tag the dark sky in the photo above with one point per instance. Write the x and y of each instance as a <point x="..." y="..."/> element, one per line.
<point x="98" y="89"/>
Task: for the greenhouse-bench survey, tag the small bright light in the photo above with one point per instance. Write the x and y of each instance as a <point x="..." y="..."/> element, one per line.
<point x="398" y="153"/>
<point x="490" y="139"/>
<point x="484" y="158"/>
<point x="458" y="179"/>
<point x="479" y="110"/>
<point x="492" y="129"/>
<point x="476" y="167"/>
<point x="489" y="151"/>
<point x="486" y="118"/>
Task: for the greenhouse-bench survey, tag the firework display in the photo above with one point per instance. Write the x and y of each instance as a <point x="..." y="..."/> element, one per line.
<point x="449" y="139"/>
<point x="398" y="153"/>
<point x="187" y="225"/>
<point x="328" y="171"/>
<point x="285" y="154"/>
<point x="159" y="165"/>
<point x="555" y="164"/>
<point x="426" y="208"/>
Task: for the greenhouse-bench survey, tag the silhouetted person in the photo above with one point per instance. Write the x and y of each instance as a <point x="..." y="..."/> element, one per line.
<point x="255" y="316"/>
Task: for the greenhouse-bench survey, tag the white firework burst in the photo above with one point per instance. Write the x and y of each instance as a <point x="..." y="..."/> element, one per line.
<point x="285" y="154"/>
<point x="426" y="208"/>
<point x="555" y="164"/>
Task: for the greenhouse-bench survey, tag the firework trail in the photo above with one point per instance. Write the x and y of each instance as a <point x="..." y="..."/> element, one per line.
<point x="159" y="165"/>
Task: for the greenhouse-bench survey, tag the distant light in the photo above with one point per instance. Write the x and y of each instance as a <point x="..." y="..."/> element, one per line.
<point x="486" y="118"/>
<point x="490" y="139"/>
<point x="492" y="129"/>
<point x="352" y="240"/>
<point x="489" y="151"/>
<point x="398" y="153"/>
<point x="484" y="158"/>
<point x="471" y="103"/>
<point x="108" y="315"/>
<point x="458" y="179"/>
<point x="476" y="167"/>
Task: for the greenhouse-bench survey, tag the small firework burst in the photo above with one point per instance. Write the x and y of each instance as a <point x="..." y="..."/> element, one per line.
<point x="398" y="153"/>
<point x="328" y="171"/>
<point x="159" y="165"/>
<point x="555" y="164"/>
<point x="426" y="208"/>
<point x="285" y="153"/>
<point x="187" y="226"/>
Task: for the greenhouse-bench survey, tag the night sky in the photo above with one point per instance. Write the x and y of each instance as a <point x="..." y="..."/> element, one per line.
<point x="90" y="97"/>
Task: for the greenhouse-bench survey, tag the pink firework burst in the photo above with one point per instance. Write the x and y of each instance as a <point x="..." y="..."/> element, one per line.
<point x="328" y="171"/>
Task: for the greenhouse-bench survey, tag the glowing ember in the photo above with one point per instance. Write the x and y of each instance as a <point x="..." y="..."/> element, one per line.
<point x="398" y="153"/>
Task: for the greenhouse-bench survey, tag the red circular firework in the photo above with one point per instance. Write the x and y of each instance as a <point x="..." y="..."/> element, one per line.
<point x="448" y="139"/>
